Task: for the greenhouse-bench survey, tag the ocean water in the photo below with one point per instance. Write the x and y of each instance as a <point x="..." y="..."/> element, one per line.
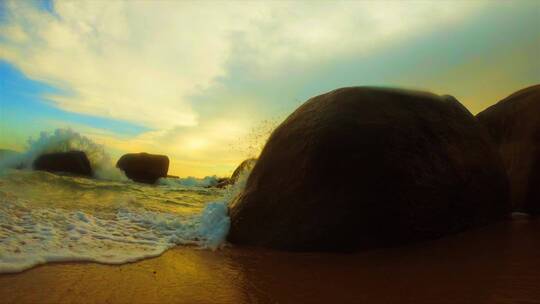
<point x="46" y="217"/>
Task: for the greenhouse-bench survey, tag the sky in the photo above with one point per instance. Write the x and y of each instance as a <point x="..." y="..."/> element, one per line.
<point x="204" y="82"/>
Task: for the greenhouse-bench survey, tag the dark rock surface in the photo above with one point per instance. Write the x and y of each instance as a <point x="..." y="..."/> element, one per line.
<point x="368" y="167"/>
<point x="144" y="167"/>
<point x="222" y="182"/>
<point x="74" y="162"/>
<point x="514" y="124"/>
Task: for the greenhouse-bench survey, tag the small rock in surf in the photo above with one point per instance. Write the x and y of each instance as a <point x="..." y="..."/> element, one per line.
<point x="74" y="162"/>
<point x="144" y="167"/>
<point x="247" y="164"/>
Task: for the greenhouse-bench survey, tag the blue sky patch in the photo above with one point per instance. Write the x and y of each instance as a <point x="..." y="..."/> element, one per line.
<point x="22" y="103"/>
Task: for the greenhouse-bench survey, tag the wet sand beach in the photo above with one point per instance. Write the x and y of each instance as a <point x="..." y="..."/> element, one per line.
<point x="495" y="264"/>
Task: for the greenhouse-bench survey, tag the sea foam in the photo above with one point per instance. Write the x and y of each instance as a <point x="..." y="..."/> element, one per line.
<point x="31" y="236"/>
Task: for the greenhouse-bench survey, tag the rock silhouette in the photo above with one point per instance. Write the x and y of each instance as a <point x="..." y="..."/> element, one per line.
<point x="514" y="125"/>
<point x="74" y="162"/>
<point x="368" y="167"/>
<point x="144" y="167"/>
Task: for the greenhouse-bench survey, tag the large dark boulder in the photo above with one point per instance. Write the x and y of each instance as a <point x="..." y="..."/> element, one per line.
<point x="368" y="167"/>
<point x="74" y="162"/>
<point x="144" y="167"/>
<point x="514" y="124"/>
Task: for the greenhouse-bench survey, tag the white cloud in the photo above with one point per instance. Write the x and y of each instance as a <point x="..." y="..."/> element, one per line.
<point x="133" y="61"/>
<point x="141" y="61"/>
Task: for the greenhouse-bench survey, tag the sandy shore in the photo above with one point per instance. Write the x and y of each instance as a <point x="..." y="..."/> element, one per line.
<point x="497" y="264"/>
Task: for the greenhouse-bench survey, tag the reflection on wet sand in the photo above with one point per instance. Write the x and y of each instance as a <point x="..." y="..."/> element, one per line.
<point x="496" y="264"/>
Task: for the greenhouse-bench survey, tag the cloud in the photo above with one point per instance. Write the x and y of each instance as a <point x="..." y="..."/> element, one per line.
<point x="179" y="67"/>
<point x="140" y="60"/>
<point x="128" y="61"/>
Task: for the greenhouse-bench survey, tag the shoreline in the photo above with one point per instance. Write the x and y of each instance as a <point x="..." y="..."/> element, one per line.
<point x="494" y="264"/>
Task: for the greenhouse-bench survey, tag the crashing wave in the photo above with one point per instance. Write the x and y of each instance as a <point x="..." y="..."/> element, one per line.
<point x="64" y="140"/>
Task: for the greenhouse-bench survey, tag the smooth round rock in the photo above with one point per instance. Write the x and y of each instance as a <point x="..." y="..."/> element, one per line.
<point x="368" y="167"/>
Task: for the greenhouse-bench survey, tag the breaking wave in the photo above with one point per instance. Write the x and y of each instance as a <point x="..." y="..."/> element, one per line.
<point x="63" y="140"/>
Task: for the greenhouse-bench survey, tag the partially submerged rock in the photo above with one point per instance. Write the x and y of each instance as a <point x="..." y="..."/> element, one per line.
<point x="144" y="167"/>
<point x="367" y="167"/>
<point x="74" y="162"/>
<point x="222" y="182"/>
<point x="246" y="165"/>
<point x="514" y="125"/>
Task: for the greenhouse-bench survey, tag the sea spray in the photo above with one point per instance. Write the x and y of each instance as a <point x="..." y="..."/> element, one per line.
<point x="214" y="222"/>
<point x="63" y="140"/>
